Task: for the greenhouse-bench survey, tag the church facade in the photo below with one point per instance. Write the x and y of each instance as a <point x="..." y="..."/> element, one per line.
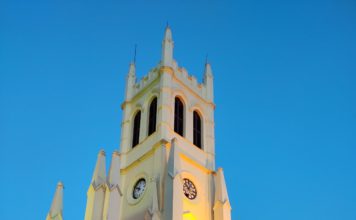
<point x="165" y="168"/>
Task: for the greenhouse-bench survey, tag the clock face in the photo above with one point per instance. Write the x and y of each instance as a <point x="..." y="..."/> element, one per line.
<point x="139" y="188"/>
<point x="189" y="189"/>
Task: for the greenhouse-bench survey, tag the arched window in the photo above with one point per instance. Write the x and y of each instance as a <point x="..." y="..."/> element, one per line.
<point x="136" y="129"/>
<point x="152" y="117"/>
<point x="178" y="116"/>
<point x="196" y="129"/>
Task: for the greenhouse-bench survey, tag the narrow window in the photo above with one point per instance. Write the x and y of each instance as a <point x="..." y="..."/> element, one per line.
<point x="196" y="129"/>
<point x="178" y="116"/>
<point x="152" y="117"/>
<point x="136" y="129"/>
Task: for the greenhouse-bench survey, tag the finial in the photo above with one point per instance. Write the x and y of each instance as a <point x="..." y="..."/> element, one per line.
<point x="102" y="152"/>
<point x="60" y="184"/>
<point x="167" y="48"/>
<point x="168" y="33"/>
<point x="167" y="25"/>
<point x="206" y="59"/>
<point x="116" y="153"/>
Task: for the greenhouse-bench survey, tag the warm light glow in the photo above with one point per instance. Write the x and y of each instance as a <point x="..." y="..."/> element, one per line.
<point x="188" y="216"/>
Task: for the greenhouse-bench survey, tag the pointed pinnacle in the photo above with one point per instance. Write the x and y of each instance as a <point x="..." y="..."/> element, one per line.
<point x="114" y="172"/>
<point x="132" y="69"/>
<point x="220" y="187"/>
<point x="57" y="203"/>
<point x="208" y="71"/>
<point x="168" y="34"/>
<point x="99" y="175"/>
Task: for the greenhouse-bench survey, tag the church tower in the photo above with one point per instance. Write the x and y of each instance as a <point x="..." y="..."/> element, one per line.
<point x="165" y="168"/>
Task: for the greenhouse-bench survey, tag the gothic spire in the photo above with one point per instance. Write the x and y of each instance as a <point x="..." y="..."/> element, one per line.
<point x="167" y="48"/>
<point x="222" y="208"/>
<point x="99" y="176"/>
<point x="132" y="70"/>
<point x="114" y="172"/>
<point x="208" y="72"/>
<point x="220" y="190"/>
<point x="168" y="33"/>
<point x="208" y="81"/>
<point x="55" y="213"/>
<point x="96" y="191"/>
<point x="114" y="193"/>
<point x="130" y="81"/>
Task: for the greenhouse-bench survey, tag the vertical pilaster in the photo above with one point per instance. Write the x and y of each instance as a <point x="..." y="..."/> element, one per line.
<point x="155" y="211"/>
<point x="209" y="127"/>
<point x="165" y="117"/>
<point x="144" y="123"/>
<point x="188" y="123"/>
<point x="173" y="199"/>
<point x="209" y="136"/>
<point x="127" y="108"/>
<point x="166" y="72"/>
<point x="126" y="128"/>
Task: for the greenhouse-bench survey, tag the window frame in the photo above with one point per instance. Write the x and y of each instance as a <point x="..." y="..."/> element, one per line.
<point x="197" y="129"/>
<point x="152" y="117"/>
<point x="179" y="116"/>
<point x="136" y="126"/>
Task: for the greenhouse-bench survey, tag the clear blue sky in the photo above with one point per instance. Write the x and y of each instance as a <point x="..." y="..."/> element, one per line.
<point x="285" y="87"/>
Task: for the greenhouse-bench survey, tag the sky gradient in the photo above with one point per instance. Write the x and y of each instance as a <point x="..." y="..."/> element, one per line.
<point x="285" y="91"/>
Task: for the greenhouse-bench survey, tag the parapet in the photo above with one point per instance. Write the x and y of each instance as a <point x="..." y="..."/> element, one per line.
<point x="180" y="74"/>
